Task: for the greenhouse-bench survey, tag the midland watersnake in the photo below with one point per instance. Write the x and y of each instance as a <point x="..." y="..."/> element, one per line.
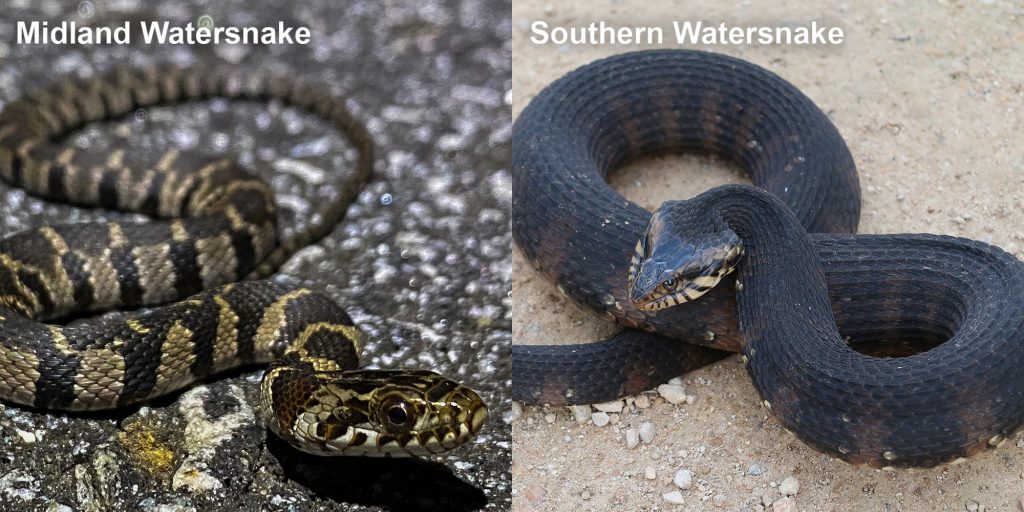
<point x="959" y="297"/>
<point x="215" y="223"/>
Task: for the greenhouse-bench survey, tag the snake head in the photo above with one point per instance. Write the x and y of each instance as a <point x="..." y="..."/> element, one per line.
<point x="679" y="258"/>
<point x="384" y="413"/>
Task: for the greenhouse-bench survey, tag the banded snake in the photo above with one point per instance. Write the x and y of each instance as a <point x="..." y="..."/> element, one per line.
<point x="214" y="224"/>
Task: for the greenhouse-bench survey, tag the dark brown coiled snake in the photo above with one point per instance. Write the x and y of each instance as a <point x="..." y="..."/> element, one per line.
<point x="215" y="223"/>
<point x="797" y="305"/>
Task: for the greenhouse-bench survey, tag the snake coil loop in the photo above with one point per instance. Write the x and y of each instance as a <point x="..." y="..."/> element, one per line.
<point x="801" y="302"/>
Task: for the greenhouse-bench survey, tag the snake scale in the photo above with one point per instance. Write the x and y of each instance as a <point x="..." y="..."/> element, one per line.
<point x="811" y="314"/>
<point x="214" y="224"/>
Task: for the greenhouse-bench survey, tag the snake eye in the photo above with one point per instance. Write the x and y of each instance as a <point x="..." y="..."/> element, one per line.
<point x="397" y="415"/>
<point x="670" y="284"/>
<point x="396" y="411"/>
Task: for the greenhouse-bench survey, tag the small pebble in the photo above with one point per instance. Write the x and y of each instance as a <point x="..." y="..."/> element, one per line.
<point x="615" y="406"/>
<point x="632" y="438"/>
<point x="690" y="399"/>
<point x="683" y="479"/>
<point x="550" y="417"/>
<point x="784" y="505"/>
<point x="581" y="413"/>
<point x="673" y="394"/>
<point x="755" y="469"/>
<point x="673" y="497"/>
<point x="25" y="436"/>
<point x="517" y="411"/>
<point x="535" y="494"/>
<point x="642" y="402"/>
<point x="650" y="473"/>
<point x="646" y="432"/>
<point x="789" y="486"/>
<point x="972" y="506"/>
<point x="586" y="494"/>
<point x="600" y="418"/>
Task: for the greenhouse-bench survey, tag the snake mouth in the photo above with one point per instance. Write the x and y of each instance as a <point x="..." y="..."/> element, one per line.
<point x="692" y="289"/>
<point x="468" y="419"/>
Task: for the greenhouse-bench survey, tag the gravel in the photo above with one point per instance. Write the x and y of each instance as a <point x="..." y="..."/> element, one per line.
<point x="683" y="479"/>
<point x="784" y="505"/>
<point x="647" y="431"/>
<point x="610" y="407"/>
<point x="632" y="438"/>
<point x="790" y="486"/>
<point x="674" y="497"/>
<point x="515" y="411"/>
<point x="581" y="413"/>
<point x="672" y="393"/>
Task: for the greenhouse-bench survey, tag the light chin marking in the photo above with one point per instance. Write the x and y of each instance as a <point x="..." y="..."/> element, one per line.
<point x="692" y="291"/>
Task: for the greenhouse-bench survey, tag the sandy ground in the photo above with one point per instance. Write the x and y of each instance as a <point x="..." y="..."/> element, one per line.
<point x="930" y="100"/>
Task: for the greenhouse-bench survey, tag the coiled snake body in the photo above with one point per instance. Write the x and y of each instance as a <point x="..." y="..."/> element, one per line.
<point x="216" y="225"/>
<point x="795" y="292"/>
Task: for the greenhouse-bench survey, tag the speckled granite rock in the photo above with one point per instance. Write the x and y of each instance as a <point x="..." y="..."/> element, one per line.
<point x="421" y="262"/>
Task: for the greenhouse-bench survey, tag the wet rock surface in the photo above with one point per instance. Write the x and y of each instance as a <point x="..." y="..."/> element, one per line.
<point x="421" y="260"/>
